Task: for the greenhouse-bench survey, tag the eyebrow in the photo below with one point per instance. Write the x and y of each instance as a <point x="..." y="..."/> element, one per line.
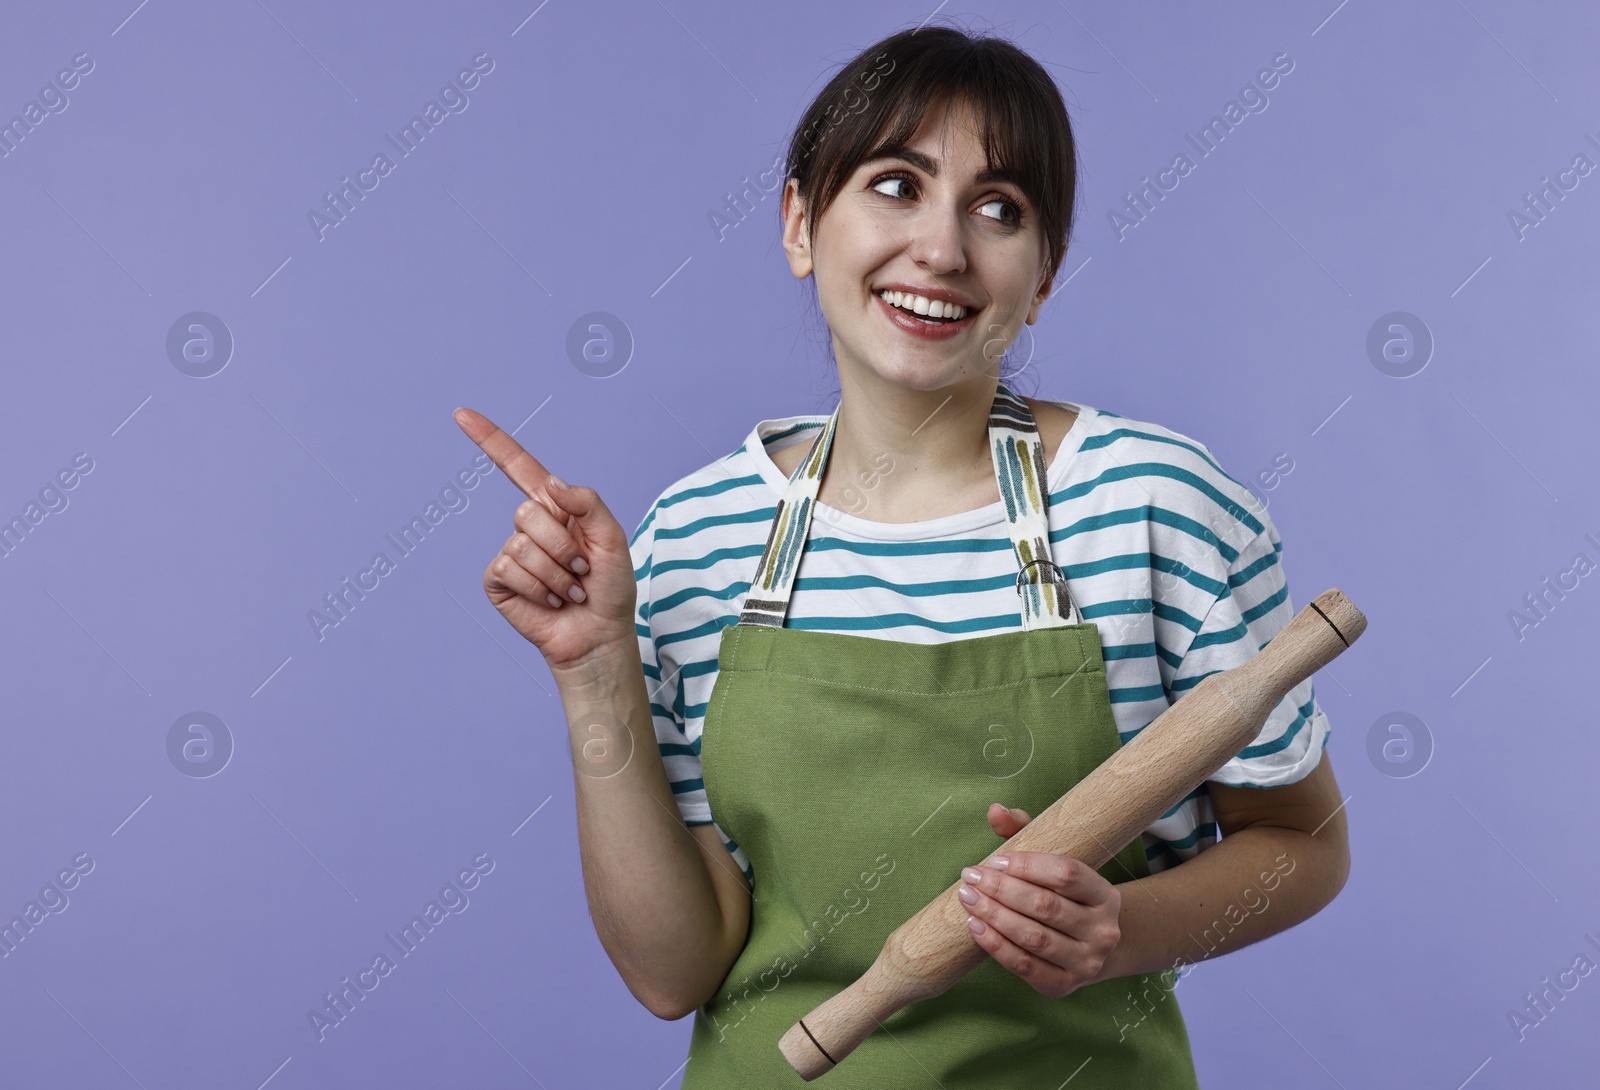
<point x="931" y="166"/>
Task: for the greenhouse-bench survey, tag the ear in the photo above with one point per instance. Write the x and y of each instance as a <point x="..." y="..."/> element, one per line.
<point x="795" y="243"/>
<point x="1046" y="283"/>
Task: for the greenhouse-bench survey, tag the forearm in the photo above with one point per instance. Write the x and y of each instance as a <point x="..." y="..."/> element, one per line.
<point x="650" y="895"/>
<point x="1252" y="883"/>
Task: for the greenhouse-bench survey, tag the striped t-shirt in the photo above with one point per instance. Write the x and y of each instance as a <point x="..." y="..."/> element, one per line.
<point x="1175" y="561"/>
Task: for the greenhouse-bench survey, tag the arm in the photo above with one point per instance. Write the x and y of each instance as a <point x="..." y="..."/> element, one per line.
<point x="669" y="904"/>
<point x="1060" y="925"/>
<point x="1284" y="854"/>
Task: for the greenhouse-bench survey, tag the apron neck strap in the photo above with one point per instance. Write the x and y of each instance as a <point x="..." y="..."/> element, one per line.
<point x="1020" y="473"/>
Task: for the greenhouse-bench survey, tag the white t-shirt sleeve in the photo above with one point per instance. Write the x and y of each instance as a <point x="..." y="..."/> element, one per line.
<point x="663" y="682"/>
<point x="1252" y="607"/>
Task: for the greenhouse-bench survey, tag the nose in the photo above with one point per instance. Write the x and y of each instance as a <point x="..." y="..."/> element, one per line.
<point x="936" y="244"/>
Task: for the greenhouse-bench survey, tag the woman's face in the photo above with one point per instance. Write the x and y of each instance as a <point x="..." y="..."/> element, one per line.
<point x="923" y="219"/>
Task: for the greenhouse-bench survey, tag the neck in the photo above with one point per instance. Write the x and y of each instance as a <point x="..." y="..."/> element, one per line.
<point x="918" y="446"/>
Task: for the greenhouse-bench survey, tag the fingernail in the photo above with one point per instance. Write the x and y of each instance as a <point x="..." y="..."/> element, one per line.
<point x="553" y="599"/>
<point x="968" y="895"/>
<point x="580" y="565"/>
<point x="1000" y="862"/>
<point x="558" y="482"/>
<point x="973" y="875"/>
<point x="976" y="925"/>
<point x="576" y="593"/>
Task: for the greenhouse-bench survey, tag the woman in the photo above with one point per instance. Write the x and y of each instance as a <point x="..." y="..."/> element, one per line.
<point x="857" y="633"/>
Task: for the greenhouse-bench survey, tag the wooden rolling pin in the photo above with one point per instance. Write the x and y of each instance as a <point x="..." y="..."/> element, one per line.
<point x="1186" y="744"/>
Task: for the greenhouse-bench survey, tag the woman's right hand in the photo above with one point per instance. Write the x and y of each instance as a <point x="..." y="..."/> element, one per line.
<point x="554" y="528"/>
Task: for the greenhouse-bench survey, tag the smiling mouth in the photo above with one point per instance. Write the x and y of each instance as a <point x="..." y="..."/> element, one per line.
<point x="927" y="311"/>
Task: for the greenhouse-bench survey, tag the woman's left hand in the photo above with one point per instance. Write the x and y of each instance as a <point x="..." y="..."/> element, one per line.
<point x="1051" y="920"/>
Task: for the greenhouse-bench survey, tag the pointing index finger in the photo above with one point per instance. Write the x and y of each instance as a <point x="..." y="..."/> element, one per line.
<point x="524" y="470"/>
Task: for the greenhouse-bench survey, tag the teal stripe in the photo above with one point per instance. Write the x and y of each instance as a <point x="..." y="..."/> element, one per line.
<point x="1187" y="574"/>
<point x="701" y="667"/>
<point x="902" y="549"/>
<point x="1280" y="743"/>
<point x="1127" y="651"/>
<point x="1146" y="513"/>
<point x="761" y="515"/>
<point x="1249" y="572"/>
<point x="738" y="552"/>
<point x="937" y="588"/>
<point x="1137" y="561"/>
<point x="1171" y="472"/>
<point x="1095" y="442"/>
<point x="905" y="620"/>
<point x="716" y="624"/>
<point x="1267" y="605"/>
<point x="721" y="484"/>
<point x="683" y="495"/>
<point x="1324" y="748"/>
<point x="1224" y="636"/>
<point x="1172" y="613"/>
<point x="1135" y="695"/>
<point x="724" y="594"/>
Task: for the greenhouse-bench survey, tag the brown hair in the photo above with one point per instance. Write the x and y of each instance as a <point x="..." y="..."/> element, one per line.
<point x="878" y="100"/>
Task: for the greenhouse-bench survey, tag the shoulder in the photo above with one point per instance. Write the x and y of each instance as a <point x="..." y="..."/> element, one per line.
<point x="1149" y="441"/>
<point x="1187" y="487"/>
<point x="696" y="509"/>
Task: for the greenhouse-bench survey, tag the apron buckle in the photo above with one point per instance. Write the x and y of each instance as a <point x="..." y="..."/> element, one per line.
<point x="1055" y="575"/>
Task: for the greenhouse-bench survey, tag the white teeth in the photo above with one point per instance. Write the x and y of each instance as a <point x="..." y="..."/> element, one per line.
<point x="920" y="305"/>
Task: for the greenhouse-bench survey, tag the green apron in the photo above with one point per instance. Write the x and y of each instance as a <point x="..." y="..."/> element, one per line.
<point x="856" y="773"/>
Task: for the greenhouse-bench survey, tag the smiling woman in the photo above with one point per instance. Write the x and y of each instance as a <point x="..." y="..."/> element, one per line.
<point x="836" y="714"/>
<point x="999" y="592"/>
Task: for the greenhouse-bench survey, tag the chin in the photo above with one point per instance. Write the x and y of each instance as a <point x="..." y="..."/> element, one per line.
<point x="912" y="376"/>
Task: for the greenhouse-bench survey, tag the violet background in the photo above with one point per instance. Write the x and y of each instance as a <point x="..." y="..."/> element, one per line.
<point x="372" y="765"/>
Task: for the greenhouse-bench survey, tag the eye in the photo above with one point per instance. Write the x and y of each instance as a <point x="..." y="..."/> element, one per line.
<point x="1016" y="219"/>
<point x="898" y="177"/>
<point x="901" y="178"/>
